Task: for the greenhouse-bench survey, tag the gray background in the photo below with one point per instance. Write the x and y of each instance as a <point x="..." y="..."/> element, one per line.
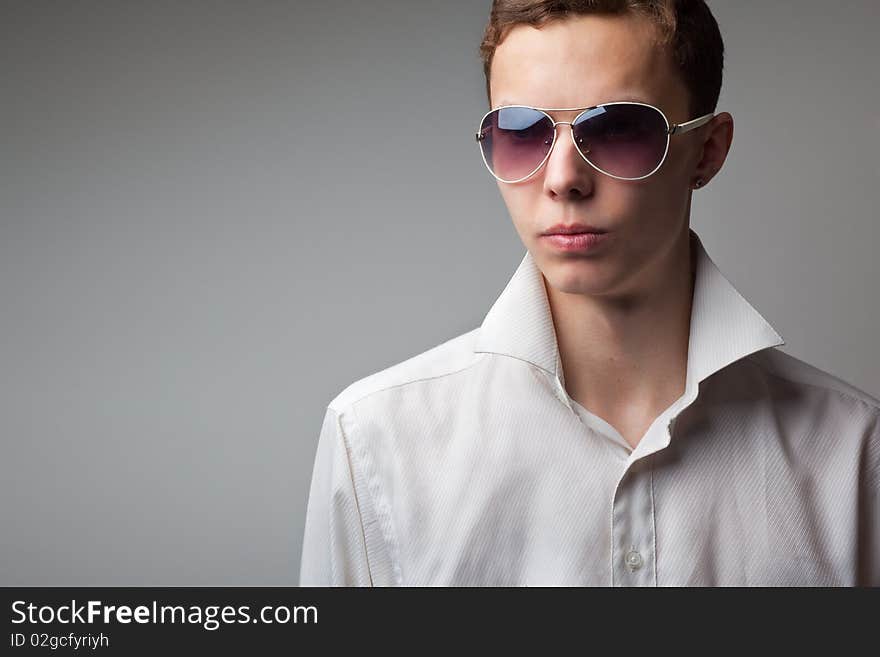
<point x="217" y="215"/>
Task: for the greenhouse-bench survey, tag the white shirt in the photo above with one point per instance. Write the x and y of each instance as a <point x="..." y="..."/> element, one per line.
<point x="470" y="465"/>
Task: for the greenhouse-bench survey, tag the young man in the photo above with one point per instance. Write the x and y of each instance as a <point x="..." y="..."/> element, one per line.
<point x="622" y="416"/>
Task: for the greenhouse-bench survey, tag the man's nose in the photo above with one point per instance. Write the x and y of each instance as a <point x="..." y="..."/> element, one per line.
<point x="567" y="172"/>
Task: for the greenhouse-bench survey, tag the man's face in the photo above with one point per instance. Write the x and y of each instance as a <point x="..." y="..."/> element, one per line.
<point x="579" y="62"/>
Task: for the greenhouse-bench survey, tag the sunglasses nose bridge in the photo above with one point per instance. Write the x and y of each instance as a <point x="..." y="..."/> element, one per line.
<point x="583" y="150"/>
<point x="568" y="123"/>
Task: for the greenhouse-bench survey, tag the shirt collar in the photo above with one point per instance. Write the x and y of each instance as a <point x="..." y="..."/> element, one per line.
<point x="724" y="327"/>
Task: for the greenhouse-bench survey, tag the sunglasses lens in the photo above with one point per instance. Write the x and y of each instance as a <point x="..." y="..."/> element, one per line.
<point x="514" y="141"/>
<point x="623" y="140"/>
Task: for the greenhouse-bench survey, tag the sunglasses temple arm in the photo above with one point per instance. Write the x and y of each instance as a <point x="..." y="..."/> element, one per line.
<point x="690" y="125"/>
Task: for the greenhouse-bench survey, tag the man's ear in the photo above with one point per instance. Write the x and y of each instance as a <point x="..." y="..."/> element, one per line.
<point x="718" y="136"/>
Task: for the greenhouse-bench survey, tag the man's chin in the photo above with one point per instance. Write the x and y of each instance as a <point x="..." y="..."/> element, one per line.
<point x="574" y="276"/>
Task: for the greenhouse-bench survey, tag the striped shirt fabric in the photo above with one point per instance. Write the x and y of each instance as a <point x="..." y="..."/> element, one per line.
<point x="470" y="465"/>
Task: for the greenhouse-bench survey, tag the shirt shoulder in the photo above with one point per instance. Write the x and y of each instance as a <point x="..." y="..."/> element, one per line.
<point x="446" y="358"/>
<point x="799" y="372"/>
<point x="827" y="403"/>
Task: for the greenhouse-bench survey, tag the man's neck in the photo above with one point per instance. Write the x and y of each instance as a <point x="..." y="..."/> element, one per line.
<point x="625" y="359"/>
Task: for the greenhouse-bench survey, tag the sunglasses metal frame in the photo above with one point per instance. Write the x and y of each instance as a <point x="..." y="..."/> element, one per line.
<point x="671" y="129"/>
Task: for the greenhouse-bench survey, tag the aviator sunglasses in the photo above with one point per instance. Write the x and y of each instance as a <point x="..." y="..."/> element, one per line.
<point x="626" y="140"/>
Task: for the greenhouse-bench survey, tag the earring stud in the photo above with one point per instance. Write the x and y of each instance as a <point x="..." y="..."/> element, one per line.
<point x="698" y="183"/>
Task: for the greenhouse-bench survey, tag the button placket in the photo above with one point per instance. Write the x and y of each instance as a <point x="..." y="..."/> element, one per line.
<point x="633" y="527"/>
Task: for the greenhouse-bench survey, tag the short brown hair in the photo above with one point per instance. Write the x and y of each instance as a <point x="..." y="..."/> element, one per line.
<point x="687" y="25"/>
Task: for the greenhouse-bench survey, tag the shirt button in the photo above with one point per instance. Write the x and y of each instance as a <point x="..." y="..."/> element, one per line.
<point x="633" y="559"/>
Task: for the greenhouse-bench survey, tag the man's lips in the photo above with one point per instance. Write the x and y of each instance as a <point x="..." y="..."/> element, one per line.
<point x="575" y="242"/>
<point x="572" y="229"/>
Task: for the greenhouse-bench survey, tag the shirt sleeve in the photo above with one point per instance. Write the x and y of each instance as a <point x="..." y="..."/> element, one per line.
<point x="334" y="548"/>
